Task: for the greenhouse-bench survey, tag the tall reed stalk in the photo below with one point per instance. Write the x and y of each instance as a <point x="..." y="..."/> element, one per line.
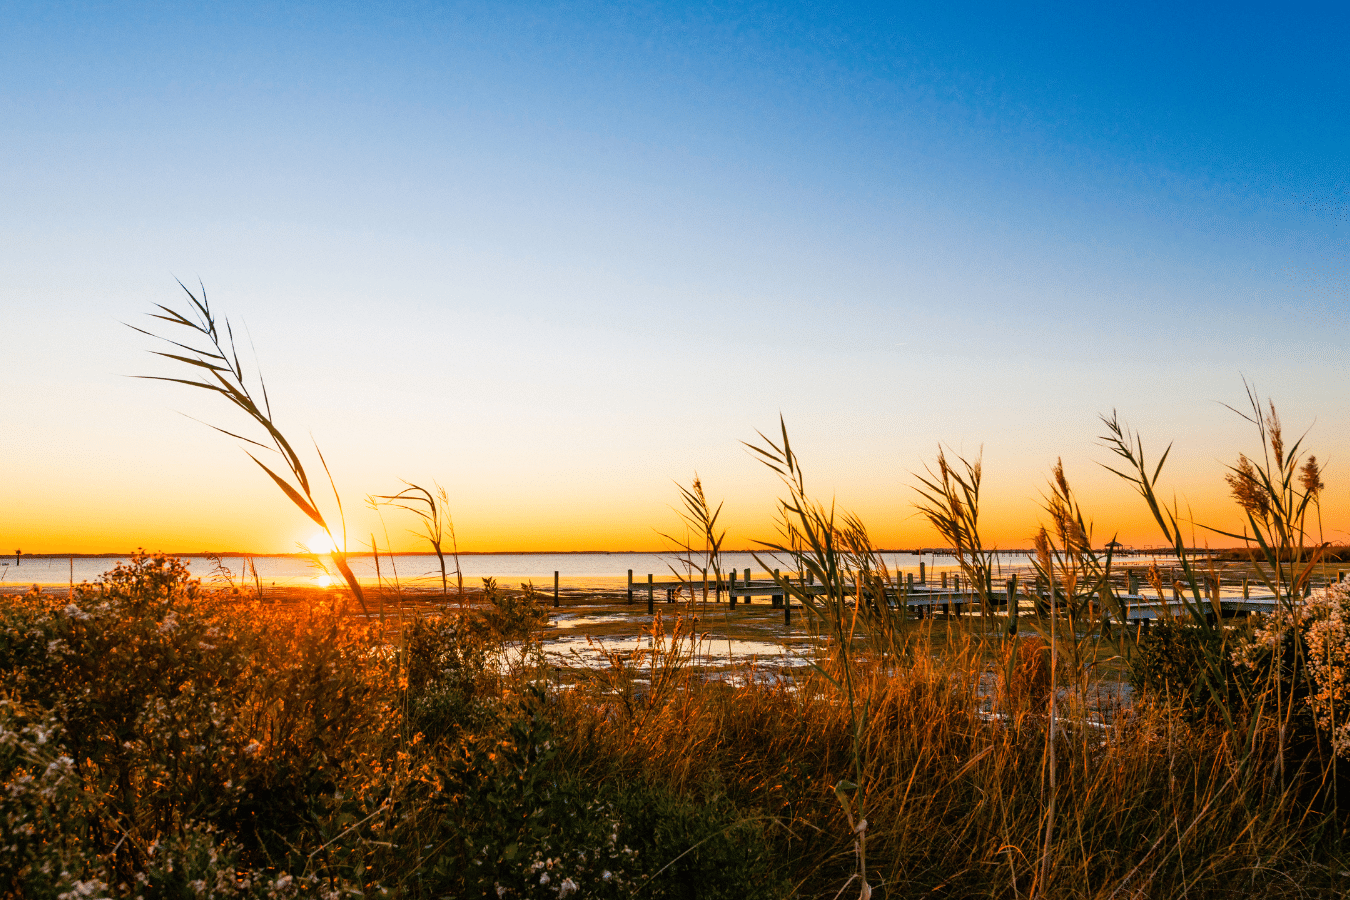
<point x="851" y="602"/>
<point x="950" y="500"/>
<point x="701" y="528"/>
<point x="214" y="361"/>
<point x="437" y="526"/>
<point x="1276" y="494"/>
<point x="1129" y="447"/>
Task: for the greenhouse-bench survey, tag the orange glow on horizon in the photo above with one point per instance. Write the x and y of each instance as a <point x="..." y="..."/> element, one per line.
<point x="251" y="518"/>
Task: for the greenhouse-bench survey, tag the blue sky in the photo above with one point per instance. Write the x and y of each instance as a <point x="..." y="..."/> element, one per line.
<point x="558" y="255"/>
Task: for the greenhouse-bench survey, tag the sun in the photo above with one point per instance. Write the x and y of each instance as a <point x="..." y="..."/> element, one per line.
<point x="324" y="581"/>
<point x="320" y="543"/>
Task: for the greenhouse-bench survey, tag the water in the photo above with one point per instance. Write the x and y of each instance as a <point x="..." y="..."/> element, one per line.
<point x="576" y="570"/>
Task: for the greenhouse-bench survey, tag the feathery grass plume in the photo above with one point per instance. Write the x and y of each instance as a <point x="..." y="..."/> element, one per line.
<point x="1310" y="478"/>
<point x="1247" y="490"/>
<point x="219" y="371"/>
<point x="437" y="525"/>
<point x="950" y="501"/>
<point x="1288" y="486"/>
<point x="1084" y="573"/>
<point x="849" y="595"/>
<point x="1278" y="540"/>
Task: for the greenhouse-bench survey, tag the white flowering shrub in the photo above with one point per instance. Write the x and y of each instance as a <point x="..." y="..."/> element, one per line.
<point x="1310" y="645"/>
<point x="182" y="707"/>
<point x="158" y="740"/>
<point x="40" y="795"/>
<point x="1327" y="633"/>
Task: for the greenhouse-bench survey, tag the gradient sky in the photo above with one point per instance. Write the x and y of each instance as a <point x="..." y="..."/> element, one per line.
<point x="560" y="256"/>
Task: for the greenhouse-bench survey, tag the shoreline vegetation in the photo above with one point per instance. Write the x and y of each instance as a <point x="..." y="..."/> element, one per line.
<point x="1330" y="554"/>
<point x="162" y="738"/>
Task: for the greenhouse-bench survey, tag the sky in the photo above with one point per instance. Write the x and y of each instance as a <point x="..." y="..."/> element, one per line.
<point x="558" y="258"/>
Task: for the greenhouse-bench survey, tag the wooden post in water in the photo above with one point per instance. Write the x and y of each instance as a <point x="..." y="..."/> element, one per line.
<point x="1012" y="605"/>
<point x="731" y="590"/>
<point x="705" y="586"/>
<point x="1133" y="578"/>
<point x="944" y="581"/>
<point x="630" y="585"/>
<point x="900" y="596"/>
<point x="923" y="573"/>
<point x="776" y="599"/>
<point x="555" y="588"/>
<point x="651" y="595"/>
<point x="1246" y="589"/>
<point x="746" y="598"/>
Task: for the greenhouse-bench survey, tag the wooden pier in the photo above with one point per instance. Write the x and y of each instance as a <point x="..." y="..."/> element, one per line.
<point x="950" y="597"/>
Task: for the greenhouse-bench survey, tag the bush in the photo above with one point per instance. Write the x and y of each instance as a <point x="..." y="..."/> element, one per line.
<point x="180" y="709"/>
<point x="517" y="825"/>
<point x="446" y="673"/>
<point x="1170" y="663"/>
<point x="161" y="741"/>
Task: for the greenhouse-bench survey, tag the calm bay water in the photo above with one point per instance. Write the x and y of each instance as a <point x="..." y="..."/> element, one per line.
<point x="576" y="570"/>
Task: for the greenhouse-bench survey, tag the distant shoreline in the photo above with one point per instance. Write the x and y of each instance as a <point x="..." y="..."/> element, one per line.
<point x="666" y="551"/>
<point x="924" y="551"/>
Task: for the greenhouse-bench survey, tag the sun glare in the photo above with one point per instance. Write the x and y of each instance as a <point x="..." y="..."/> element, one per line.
<point x="324" y="581"/>
<point x="319" y="542"/>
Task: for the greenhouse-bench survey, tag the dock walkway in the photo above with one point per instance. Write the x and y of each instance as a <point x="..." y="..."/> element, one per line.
<point x="950" y="597"/>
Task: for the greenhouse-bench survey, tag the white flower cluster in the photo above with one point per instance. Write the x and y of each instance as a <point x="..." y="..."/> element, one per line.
<point x="569" y="872"/>
<point x="1328" y="640"/>
<point x="39" y="787"/>
<point x="1323" y="620"/>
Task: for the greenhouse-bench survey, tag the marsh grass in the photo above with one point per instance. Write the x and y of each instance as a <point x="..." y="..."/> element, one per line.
<point x="158" y="739"/>
<point x="433" y="510"/>
<point x="950" y="500"/>
<point x="700" y="546"/>
<point x="310" y="753"/>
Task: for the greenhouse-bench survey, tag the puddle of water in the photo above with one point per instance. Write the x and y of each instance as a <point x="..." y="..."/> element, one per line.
<point x="566" y="620"/>
<point x="719" y="652"/>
